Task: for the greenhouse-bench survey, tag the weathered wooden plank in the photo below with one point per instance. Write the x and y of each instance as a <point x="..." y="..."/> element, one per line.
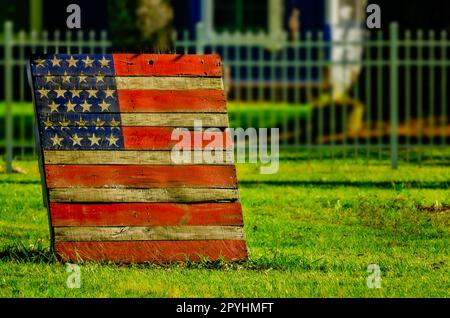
<point x="86" y="138"/>
<point x="145" y="214"/>
<point x="174" y="119"/>
<point x="140" y="176"/>
<point x="168" y="195"/>
<point x="151" y="251"/>
<point x="133" y="138"/>
<point x="160" y="138"/>
<point x="80" y="120"/>
<point x="167" y="65"/>
<point x="147" y="194"/>
<point x="169" y="83"/>
<point x="78" y="83"/>
<point x="148" y="233"/>
<point x="142" y="101"/>
<point x="72" y="119"/>
<point x="66" y="106"/>
<point x="107" y="157"/>
<point x="128" y="83"/>
<point x="72" y="64"/>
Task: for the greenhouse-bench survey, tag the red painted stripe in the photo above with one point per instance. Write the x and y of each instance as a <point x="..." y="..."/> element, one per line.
<point x="140" y="176"/>
<point x="167" y="65"/>
<point x="160" y="138"/>
<point x="145" y="214"/>
<point x="153" y="251"/>
<point x="206" y="101"/>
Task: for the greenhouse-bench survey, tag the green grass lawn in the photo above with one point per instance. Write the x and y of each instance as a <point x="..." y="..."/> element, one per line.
<point x="312" y="230"/>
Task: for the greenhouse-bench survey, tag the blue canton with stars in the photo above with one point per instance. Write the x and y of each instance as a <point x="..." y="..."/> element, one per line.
<point x="77" y="103"/>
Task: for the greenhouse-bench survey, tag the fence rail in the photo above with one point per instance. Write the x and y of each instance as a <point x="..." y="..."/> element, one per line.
<point x="397" y="100"/>
<point x="389" y="96"/>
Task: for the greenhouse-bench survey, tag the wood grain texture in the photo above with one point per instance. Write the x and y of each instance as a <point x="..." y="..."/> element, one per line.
<point x="137" y="138"/>
<point x="142" y="101"/>
<point x="151" y="251"/>
<point x="169" y="83"/>
<point x="167" y="65"/>
<point x="107" y="157"/>
<point x="140" y="176"/>
<point x="174" y="119"/>
<point x="137" y="119"/>
<point x="134" y="200"/>
<point x="160" y="138"/>
<point x="148" y="233"/>
<point x="145" y="214"/>
<point x="142" y="195"/>
<point x="45" y="67"/>
<point x="69" y="83"/>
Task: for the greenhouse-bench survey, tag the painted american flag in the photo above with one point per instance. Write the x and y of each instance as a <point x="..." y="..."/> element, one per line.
<point x="105" y="134"/>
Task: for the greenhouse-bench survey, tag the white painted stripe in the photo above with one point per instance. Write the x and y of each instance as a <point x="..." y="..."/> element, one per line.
<point x="148" y="233"/>
<point x="142" y="195"/>
<point x="110" y="157"/>
<point x="169" y="83"/>
<point x="174" y="119"/>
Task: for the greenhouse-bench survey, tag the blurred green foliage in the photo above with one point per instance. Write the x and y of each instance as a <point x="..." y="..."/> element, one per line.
<point x="124" y="26"/>
<point x="17" y="11"/>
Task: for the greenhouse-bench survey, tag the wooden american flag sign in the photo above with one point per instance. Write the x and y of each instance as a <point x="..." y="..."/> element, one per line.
<point x="113" y="192"/>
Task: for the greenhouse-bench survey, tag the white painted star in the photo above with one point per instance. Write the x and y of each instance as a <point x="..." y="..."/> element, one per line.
<point x="39" y="62"/>
<point x="114" y="124"/>
<point x="94" y="140"/>
<point x="109" y="93"/>
<point x="76" y="92"/>
<point x="70" y="106"/>
<point x="86" y="106"/>
<point x="100" y="78"/>
<point x="56" y="140"/>
<point x="49" y="78"/>
<point x="112" y="140"/>
<point x="104" y="106"/>
<point x="99" y="124"/>
<point x="76" y="140"/>
<point x="48" y="123"/>
<point x="64" y="124"/>
<point x="81" y="123"/>
<point x="56" y="61"/>
<point x="104" y="62"/>
<point x="59" y="92"/>
<point x="53" y="107"/>
<point x="72" y="62"/>
<point x="88" y="62"/>
<point x="43" y="92"/>
<point x="66" y="78"/>
<point x="92" y="92"/>
<point x="82" y="78"/>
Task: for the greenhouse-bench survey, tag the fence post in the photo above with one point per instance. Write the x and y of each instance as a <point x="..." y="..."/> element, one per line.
<point x="394" y="86"/>
<point x="8" y="79"/>
<point x="199" y="38"/>
<point x="103" y="41"/>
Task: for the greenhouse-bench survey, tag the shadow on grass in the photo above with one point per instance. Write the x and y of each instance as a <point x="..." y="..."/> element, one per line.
<point x="260" y="264"/>
<point x="360" y="184"/>
<point x="323" y="184"/>
<point x="34" y="253"/>
<point x="40" y="253"/>
<point x="20" y="182"/>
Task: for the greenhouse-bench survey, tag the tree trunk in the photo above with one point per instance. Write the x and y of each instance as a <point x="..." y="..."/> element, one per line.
<point x="141" y="25"/>
<point x="154" y="20"/>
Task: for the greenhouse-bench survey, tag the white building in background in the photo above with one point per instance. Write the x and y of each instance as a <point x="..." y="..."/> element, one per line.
<point x="271" y="23"/>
